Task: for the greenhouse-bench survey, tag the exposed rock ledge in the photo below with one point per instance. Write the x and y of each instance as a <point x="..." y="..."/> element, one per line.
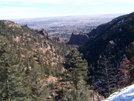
<point x="78" y="39"/>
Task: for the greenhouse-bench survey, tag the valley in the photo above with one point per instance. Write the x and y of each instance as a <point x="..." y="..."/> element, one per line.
<point x="95" y="59"/>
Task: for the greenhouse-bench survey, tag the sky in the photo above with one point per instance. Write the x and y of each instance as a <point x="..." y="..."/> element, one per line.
<point x="17" y="9"/>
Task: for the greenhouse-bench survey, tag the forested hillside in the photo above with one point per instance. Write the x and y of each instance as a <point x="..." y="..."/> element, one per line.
<point x="29" y="63"/>
<point x="34" y="67"/>
<point x="110" y="55"/>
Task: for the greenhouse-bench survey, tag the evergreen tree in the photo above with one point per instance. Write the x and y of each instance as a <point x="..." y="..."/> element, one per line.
<point x="105" y="77"/>
<point x="76" y="68"/>
<point x="74" y="79"/>
<point x="14" y="82"/>
<point x="4" y="49"/>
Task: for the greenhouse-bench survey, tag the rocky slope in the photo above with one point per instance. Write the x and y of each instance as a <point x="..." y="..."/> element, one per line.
<point x="109" y="53"/>
<point x="119" y="22"/>
<point x="30" y="61"/>
<point x="31" y="42"/>
<point x="118" y="34"/>
<point x="78" y="39"/>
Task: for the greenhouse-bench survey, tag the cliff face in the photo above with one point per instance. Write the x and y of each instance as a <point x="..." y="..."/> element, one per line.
<point x="98" y="30"/>
<point x="44" y="34"/>
<point x="111" y="37"/>
<point x="108" y="29"/>
<point x="78" y="39"/>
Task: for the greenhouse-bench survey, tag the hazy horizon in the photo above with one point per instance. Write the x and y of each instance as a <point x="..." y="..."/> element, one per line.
<point x="69" y="16"/>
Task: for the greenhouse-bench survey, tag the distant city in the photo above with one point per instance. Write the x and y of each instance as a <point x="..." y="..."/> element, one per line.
<point x="64" y="26"/>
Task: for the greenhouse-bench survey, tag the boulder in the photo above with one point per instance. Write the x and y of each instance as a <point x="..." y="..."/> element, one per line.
<point x="78" y="39"/>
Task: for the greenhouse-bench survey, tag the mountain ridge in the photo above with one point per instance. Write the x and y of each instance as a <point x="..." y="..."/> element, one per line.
<point x="108" y="54"/>
<point x="36" y="68"/>
<point x="30" y="63"/>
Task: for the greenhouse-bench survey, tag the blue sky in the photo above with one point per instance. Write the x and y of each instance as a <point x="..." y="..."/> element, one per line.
<point x="16" y="9"/>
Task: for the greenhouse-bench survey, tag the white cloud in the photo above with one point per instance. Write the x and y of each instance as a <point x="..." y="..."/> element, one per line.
<point x="126" y="1"/>
<point x="17" y="8"/>
<point x="17" y="12"/>
<point x="68" y="1"/>
<point x="34" y="1"/>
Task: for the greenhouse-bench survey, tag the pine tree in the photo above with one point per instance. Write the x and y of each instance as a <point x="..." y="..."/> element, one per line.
<point x="14" y="82"/>
<point x="74" y="78"/>
<point x="4" y="49"/>
<point x="105" y="77"/>
<point x="76" y="68"/>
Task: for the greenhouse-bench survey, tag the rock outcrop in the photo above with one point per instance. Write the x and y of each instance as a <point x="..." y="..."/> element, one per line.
<point x="78" y="39"/>
<point x="98" y="30"/>
<point x="44" y="34"/>
<point x="111" y="27"/>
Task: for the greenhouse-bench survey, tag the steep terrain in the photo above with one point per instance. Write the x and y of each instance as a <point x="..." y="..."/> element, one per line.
<point x="30" y="63"/>
<point x="33" y="67"/>
<point x="109" y="53"/>
<point x="111" y="28"/>
<point x="30" y="43"/>
<point x="78" y="39"/>
<point x="118" y="33"/>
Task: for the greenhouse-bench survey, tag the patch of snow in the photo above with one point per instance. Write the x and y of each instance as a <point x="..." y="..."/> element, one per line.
<point x="117" y="65"/>
<point x="121" y="21"/>
<point x="124" y="54"/>
<point x="126" y="94"/>
<point x="116" y="18"/>
<point x="120" y="30"/>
